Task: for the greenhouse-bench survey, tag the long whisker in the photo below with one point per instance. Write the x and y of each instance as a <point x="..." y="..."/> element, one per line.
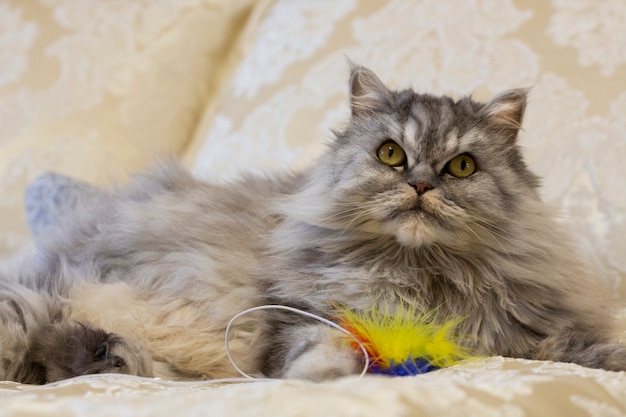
<point x="494" y="230"/>
<point x="362" y="214"/>
<point x="347" y="213"/>
<point x="351" y="208"/>
<point x="497" y="237"/>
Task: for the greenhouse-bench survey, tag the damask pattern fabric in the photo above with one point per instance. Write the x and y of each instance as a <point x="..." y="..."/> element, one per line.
<point x="493" y="387"/>
<point x="95" y="89"/>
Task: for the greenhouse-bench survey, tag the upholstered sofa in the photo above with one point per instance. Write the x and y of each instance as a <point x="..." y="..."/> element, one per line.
<point x="99" y="89"/>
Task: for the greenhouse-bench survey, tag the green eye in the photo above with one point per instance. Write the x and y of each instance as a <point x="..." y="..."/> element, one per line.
<point x="391" y="154"/>
<point x="461" y="166"/>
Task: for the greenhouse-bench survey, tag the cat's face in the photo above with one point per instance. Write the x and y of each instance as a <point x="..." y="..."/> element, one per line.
<point x="422" y="169"/>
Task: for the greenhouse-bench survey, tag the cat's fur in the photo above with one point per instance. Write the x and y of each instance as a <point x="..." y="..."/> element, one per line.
<point x="166" y="261"/>
<point x="40" y="344"/>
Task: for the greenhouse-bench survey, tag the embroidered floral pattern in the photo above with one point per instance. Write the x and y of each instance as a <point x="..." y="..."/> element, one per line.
<point x="16" y="38"/>
<point x="96" y="89"/>
<point x="595" y="28"/>
<point x="291" y="32"/>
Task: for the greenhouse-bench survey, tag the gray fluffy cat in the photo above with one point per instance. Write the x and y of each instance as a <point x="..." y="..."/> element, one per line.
<point x="421" y="200"/>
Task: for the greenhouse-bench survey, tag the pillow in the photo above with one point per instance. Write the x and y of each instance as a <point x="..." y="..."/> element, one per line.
<point x="96" y="89"/>
<point x="289" y="88"/>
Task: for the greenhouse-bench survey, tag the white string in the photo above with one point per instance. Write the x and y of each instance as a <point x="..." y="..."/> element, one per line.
<point x="293" y="310"/>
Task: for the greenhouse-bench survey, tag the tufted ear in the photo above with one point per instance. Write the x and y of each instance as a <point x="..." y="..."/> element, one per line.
<point x="505" y="112"/>
<point x="367" y="92"/>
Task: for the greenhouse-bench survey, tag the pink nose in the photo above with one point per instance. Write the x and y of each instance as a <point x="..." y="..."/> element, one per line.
<point x="421" y="187"/>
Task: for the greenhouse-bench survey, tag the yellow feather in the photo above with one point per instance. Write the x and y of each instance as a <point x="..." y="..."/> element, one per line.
<point x="393" y="338"/>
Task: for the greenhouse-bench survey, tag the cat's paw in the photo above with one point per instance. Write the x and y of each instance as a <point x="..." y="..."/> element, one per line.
<point x="327" y="356"/>
<point x="69" y="349"/>
<point x="609" y="356"/>
<point x="581" y="349"/>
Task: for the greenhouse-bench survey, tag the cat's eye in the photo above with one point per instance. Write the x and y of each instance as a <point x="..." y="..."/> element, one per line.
<point x="461" y="166"/>
<point x="391" y="154"/>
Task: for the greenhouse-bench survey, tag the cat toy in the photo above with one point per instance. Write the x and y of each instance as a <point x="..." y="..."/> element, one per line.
<point x="401" y="343"/>
<point x="404" y="342"/>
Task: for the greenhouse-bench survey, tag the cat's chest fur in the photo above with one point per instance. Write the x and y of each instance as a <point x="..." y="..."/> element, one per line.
<point x="329" y="268"/>
<point x="363" y="272"/>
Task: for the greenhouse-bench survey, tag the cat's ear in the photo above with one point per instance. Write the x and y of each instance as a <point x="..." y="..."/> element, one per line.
<point x="505" y="112"/>
<point x="367" y="92"/>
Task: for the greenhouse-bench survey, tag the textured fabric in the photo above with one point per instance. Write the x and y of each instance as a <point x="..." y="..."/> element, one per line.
<point x="491" y="387"/>
<point x="289" y="90"/>
<point x="96" y="89"/>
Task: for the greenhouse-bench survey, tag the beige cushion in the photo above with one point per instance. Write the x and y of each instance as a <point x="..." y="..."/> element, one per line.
<point x="96" y="89"/>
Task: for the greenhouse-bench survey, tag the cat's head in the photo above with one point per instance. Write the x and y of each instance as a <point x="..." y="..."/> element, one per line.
<point x="420" y="168"/>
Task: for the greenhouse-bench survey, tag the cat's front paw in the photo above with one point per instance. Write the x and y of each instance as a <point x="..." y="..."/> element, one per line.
<point x="69" y="349"/>
<point x="327" y="356"/>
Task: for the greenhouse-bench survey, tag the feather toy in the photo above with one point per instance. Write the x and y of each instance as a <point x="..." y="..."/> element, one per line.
<point x="405" y="342"/>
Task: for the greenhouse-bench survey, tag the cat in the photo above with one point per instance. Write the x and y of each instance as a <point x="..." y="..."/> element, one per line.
<point x="420" y="200"/>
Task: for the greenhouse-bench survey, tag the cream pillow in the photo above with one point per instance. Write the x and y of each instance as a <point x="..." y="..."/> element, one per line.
<point x="95" y="89"/>
<point x="289" y="89"/>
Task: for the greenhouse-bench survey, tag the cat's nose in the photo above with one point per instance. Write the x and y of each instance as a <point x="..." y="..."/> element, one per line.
<point x="421" y="187"/>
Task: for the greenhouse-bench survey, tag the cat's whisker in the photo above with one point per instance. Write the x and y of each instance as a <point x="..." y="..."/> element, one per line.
<point x="362" y="214"/>
<point x="496" y="237"/>
<point x="345" y="214"/>
<point x="495" y="231"/>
